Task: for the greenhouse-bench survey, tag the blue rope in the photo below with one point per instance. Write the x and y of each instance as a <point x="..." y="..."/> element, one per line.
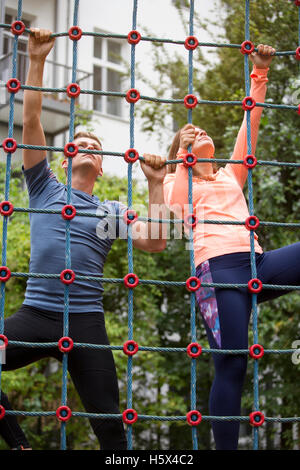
<point x="251" y="212"/>
<point x="130" y="243"/>
<point x="68" y="236"/>
<point x="193" y="398"/>
<point x="193" y="378"/>
<point x="7" y="177"/>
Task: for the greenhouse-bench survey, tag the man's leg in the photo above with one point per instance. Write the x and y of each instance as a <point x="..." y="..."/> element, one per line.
<point x="10" y="429"/>
<point x="25" y="325"/>
<point x="94" y="375"/>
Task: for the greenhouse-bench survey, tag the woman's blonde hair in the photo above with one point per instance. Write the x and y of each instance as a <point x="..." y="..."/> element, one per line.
<point x="171" y="168"/>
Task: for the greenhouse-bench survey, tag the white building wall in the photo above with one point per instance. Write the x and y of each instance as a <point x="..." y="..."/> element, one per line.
<point x="157" y="18"/>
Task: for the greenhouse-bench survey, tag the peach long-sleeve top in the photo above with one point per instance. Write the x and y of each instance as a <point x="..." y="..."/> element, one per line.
<point x="221" y="198"/>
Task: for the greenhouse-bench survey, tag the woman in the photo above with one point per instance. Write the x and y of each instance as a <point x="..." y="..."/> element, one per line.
<point x="222" y="251"/>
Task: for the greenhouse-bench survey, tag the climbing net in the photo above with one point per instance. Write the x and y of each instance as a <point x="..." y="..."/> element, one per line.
<point x="131" y="280"/>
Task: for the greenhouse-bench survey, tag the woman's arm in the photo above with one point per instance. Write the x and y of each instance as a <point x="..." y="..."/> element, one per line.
<point x="176" y="184"/>
<point x="261" y="61"/>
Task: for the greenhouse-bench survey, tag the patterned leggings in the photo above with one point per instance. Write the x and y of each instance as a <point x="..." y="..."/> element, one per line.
<point x="226" y="313"/>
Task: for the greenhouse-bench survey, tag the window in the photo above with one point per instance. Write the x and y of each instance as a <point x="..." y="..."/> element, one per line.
<point x="108" y="70"/>
<point x="22" y="46"/>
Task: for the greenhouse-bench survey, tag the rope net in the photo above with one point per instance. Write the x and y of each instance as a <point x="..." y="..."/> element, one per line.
<point x="194" y="349"/>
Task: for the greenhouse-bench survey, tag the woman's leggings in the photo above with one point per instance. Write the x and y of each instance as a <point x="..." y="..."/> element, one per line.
<point x="92" y="370"/>
<point x="226" y="313"/>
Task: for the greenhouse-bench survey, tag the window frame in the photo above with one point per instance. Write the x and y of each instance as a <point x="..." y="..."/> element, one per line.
<point x="104" y="64"/>
<point x="22" y="41"/>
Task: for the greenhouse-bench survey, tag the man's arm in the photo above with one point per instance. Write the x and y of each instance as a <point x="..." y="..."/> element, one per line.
<point x="39" y="46"/>
<point x="151" y="236"/>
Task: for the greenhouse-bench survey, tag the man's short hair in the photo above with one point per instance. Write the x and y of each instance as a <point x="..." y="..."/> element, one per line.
<point x="87" y="134"/>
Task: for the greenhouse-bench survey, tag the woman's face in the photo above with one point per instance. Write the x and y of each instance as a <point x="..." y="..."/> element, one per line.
<point x="203" y="146"/>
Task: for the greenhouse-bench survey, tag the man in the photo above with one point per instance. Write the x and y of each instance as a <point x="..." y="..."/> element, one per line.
<point x="40" y="318"/>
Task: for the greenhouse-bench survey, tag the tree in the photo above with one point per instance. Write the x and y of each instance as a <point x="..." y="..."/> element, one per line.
<point x="276" y="188"/>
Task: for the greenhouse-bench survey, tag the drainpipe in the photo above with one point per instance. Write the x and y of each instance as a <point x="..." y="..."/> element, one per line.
<point x="55" y="24"/>
<point x="66" y="78"/>
<point x="2" y="17"/>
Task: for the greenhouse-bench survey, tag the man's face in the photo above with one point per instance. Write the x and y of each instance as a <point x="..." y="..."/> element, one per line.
<point x="84" y="160"/>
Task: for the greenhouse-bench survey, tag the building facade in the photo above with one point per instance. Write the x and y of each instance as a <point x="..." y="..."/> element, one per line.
<point x="103" y="64"/>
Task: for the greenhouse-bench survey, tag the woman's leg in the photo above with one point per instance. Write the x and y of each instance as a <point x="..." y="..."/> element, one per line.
<point x="279" y="267"/>
<point x="226" y="314"/>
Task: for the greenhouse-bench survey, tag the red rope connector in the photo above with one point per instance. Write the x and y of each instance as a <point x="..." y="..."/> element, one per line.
<point x="298" y="53"/>
<point x="130" y="347"/>
<point x="4" y="273"/>
<point x="9" y="145"/>
<point x="73" y="90"/>
<point x="247" y="47"/>
<point x="131" y="280"/>
<point x="13" y="85"/>
<point x="255" y="286"/>
<point x="65" y="344"/>
<point x="75" y="33"/>
<point x="132" y="95"/>
<point x="133" y="37"/>
<point x="190" y="101"/>
<point x="252" y="222"/>
<point x="298" y="109"/>
<point x="70" y="149"/>
<point x="5" y="342"/>
<point x="17" y="27"/>
<point x="256" y="418"/>
<point x="191" y="43"/>
<point x="130" y="216"/>
<point x="248" y="103"/>
<point x="250" y="161"/>
<point x="129" y="416"/>
<point x="131" y="156"/>
<point x="191" y="220"/>
<point x="2" y="412"/>
<point x="189" y="159"/>
<point x="256" y="351"/>
<point x="297" y="3"/>
<point x="68" y="212"/>
<point x="193" y="283"/>
<point x="6" y="208"/>
<point x="194" y="350"/>
<point x="67" y="276"/>
<point x="194" y="417"/>
<point x="63" y="413"/>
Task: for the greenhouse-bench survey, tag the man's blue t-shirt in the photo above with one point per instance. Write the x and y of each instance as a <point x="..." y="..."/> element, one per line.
<point x="91" y="239"/>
